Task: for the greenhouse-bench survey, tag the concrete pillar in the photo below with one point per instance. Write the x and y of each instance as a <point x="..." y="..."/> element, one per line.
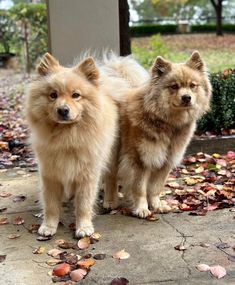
<point x="78" y="25"/>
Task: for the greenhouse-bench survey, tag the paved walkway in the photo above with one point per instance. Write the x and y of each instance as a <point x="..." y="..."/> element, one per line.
<point x="153" y="258"/>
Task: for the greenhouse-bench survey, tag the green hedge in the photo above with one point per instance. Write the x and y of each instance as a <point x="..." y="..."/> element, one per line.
<point x="212" y="28"/>
<point x="151" y="29"/>
<point x="222" y="114"/>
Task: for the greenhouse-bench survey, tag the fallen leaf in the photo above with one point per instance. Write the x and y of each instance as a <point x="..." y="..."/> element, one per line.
<point x="13" y="236"/>
<point x="173" y="185"/>
<point x="18" y="221"/>
<point x="86" y="263"/>
<point x="39" y="250"/>
<point x="119" y="281"/>
<point x="84" y="243"/>
<point x="122" y="254"/>
<point x="5" y="194"/>
<point x="152" y="217"/>
<point x="180" y="247"/>
<point x="222" y="245"/>
<point x="203" y="267"/>
<point x="59" y="241"/>
<point x="218" y="271"/>
<point x="53" y="261"/>
<point x="231" y="154"/>
<point x="61" y="269"/>
<point x="54" y="252"/>
<point x="4" y="221"/>
<point x="67" y="245"/>
<point x="19" y="198"/>
<point x="96" y="236"/>
<point x="200" y="169"/>
<point x="2" y="257"/>
<point x="3" y="209"/>
<point x="33" y="228"/>
<point x="99" y="256"/>
<point x="78" y="274"/>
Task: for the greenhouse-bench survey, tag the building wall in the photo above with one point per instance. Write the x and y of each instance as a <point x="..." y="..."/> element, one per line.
<point x="78" y="25"/>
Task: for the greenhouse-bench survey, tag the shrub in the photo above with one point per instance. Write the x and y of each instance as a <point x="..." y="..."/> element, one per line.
<point x="156" y="47"/>
<point x="151" y="29"/>
<point x="212" y="28"/>
<point x="222" y="114"/>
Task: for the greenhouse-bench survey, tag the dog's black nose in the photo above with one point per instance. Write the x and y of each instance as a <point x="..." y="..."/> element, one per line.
<point x="63" y="112"/>
<point x="186" y="98"/>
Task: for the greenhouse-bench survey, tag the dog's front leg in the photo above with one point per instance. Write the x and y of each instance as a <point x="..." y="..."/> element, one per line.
<point x="139" y="194"/>
<point x="156" y="186"/>
<point x="85" y="196"/>
<point x="52" y="195"/>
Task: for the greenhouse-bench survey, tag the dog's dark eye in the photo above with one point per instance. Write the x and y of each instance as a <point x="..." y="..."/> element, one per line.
<point x="174" y="86"/>
<point x="192" y="85"/>
<point x="75" y="95"/>
<point x="53" y="95"/>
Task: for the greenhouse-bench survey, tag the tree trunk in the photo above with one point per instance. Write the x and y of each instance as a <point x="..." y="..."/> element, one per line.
<point x="218" y="10"/>
<point x="124" y="36"/>
<point x="26" y="47"/>
<point x="219" y="31"/>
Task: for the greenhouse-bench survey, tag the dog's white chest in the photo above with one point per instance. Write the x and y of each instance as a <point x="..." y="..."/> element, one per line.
<point x="153" y="154"/>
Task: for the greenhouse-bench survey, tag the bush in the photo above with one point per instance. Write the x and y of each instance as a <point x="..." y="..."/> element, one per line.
<point x="211" y="28"/>
<point x="222" y="114"/>
<point x="151" y="29"/>
<point x="146" y="57"/>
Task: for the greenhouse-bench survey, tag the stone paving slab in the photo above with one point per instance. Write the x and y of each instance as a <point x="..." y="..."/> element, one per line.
<point x="153" y="259"/>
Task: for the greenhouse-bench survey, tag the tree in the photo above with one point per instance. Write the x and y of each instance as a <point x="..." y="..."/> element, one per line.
<point x="124" y="16"/>
<point x="218" y="6"/>
<point x="31" y="21"/>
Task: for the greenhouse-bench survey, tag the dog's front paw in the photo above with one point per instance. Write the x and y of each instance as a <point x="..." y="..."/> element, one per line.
<point x="160" y="206"/>
<point x="141" y="212"/>
<point x="47" y="230"/>
<point x="84" y="230"/>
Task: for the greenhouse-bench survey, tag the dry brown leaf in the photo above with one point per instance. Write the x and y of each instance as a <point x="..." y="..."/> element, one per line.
<point x="18" y="221"/>
<point x="96" y="236"/>
<point x="39" y="250"/>
<point x="54" y="252"/>
<point x="53" y="261"/>
<point x="5" y="194"/>
<point x="86" y="263"/>
<point x="218" y="271"/>
<point x="78" y="274"/>
<point x="84" y="243"/>
<point x="13" y="236"/>
<point x="203" y="267"/>
<point x="4" y="221"/>
<point x="61" y="269"/>
<point x="122" y="254"/>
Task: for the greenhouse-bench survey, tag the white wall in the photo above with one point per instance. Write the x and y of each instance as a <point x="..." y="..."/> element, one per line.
<point x="78" y="25"/>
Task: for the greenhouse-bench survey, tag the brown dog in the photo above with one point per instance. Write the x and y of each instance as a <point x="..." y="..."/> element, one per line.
<point x="73" y="122"/>
<point x="157" y="122"/>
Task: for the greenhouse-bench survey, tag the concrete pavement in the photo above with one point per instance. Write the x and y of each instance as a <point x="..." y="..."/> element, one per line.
<point x="153" y="258"/>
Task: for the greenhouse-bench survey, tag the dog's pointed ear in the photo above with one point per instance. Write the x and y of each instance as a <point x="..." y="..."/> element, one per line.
<point x="195" y="61"/>
<point x="160" y="67"/>
<point x="47" y="64"/>
<point x="89" y="69"/>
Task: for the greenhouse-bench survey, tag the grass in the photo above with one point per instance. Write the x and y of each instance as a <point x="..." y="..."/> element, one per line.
<point x="218" y="52"/>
